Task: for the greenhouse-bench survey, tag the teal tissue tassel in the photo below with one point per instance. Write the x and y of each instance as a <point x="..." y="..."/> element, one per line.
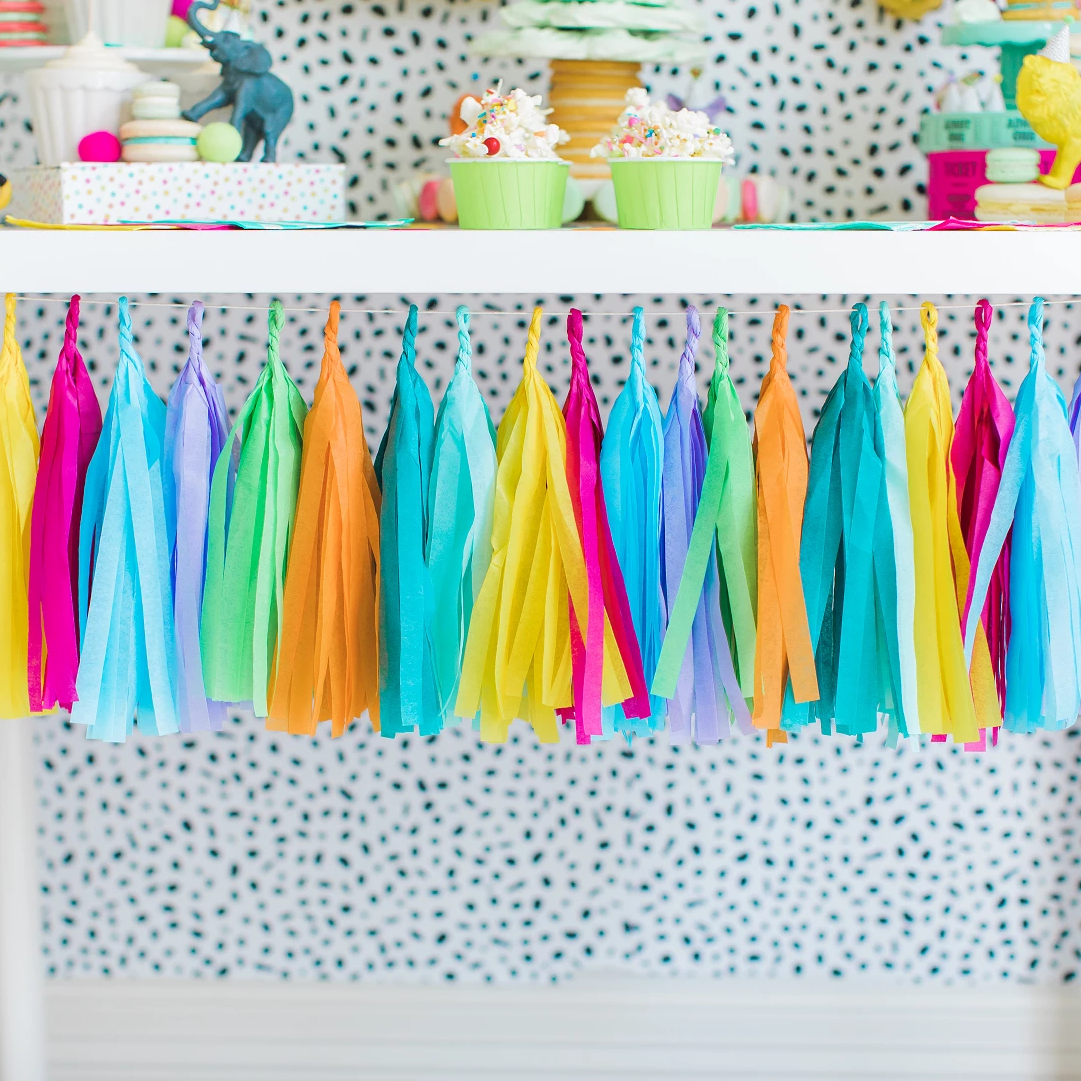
<point x="408" y="698"/>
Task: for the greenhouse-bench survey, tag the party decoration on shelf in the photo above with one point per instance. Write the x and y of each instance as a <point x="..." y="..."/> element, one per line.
<point x="891" y="424"/>
<point x="21" y="24"/>
<point x="128" y="664"/>
<point x="609" y="629"/>
<point x="631" y="464"/>
<point x="19" y="439"/>
<point x="328" y="663"/>
<point x="783" y="646"/>
<point x="196" y="428"/>
<point x="156" y="132"/>
<point x="262" y="103"/>
<point x="946" y="705"/>
<point x="252" y="502"/>
<point x="1049" y="98"/>
<point x="461" y="497"/>
<point x="72" y="429"/>
<point x="408" y="700"/>
<point x="847" y="562"/>
<point x="978" y="453"/>
<point x="99" y="146"/>
<point x="699" y="679"/>
<point x="220" y="143"/>
<point x="1039" y="498"/>
<point x="517" y="657"/>
<point x="721" y="551"/>
<point x="910" y="9"/>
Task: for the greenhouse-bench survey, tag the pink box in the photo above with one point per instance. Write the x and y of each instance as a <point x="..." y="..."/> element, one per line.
<point x="953" y="177"/>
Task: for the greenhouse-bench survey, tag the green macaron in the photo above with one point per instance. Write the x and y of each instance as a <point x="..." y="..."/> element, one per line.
<point x="1012" y="165"/>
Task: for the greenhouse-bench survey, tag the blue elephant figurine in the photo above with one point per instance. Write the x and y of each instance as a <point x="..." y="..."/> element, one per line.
<point x="262" y="103"/>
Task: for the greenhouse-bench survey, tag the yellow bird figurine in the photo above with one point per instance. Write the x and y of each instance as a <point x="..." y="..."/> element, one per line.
<point x="1049" y="98"/>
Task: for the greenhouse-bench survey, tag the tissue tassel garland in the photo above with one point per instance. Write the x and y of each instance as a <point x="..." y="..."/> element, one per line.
<point x="196" y="427"/>
<point x="408" y="700"/>
<point x="945" y="699"/>
<point x="128" y="663"/>
<point x="72" y="428"/>
<point x="846" y="561"/>
<point x="891" y="420"/>
<point x="517" y="656"/>
<point x="252" y="502"/>
<point x="461" y="496"/>
<point x="606" y="664"/>
<point x="978" y="453"/>
<point x="19" y="437"/>
<point x="1039" y="497"/>
<point x="328" y="662"/>
<point x="700" y="678"/>
<point x="632" y="460"/>
<point x="696" y="662"/>
<point x="783" y="646"/>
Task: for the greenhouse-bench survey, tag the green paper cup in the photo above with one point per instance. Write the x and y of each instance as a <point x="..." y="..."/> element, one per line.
<point x="665" y="193"/>
<point x="509" y="194"/>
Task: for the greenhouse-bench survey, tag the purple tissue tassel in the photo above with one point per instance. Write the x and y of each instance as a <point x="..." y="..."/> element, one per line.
<point x="196" y="427"/>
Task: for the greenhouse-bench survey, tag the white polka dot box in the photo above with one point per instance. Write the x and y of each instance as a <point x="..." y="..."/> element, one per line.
<point x="83" y="194"/>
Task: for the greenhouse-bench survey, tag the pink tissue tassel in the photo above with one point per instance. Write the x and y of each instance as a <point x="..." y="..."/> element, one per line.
<point x="982" y="435"/>
<point x="72" y="427"/>
<point x="607" y="593"/>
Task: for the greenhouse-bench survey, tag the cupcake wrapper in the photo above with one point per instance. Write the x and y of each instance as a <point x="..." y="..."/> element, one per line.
<point x="509" y="194"/>
<point x="665" y="194"/>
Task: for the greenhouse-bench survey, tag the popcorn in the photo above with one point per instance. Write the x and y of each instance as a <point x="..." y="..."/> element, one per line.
<point x="655" y="131"/>
<point x="510" y="126"/>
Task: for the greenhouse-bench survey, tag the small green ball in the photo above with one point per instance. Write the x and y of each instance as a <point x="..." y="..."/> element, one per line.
<point x="175" y="32"/>
<point x="219" y="142"/>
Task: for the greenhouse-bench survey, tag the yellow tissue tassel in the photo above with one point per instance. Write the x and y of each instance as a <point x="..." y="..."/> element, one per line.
<point x="944" y="695"/>
<point x="328" y="666"/>
<point x="19" y="434"/>
<point x="517" y="657"/>
<point x="783" y="644"/>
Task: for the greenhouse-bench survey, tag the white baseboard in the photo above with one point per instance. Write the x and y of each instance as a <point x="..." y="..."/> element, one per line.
<point x="233" y="1030"/>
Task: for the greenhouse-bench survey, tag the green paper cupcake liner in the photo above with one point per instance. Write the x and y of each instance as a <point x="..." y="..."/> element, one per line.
<point x="660" y="193"/>
<point x="509" y="194"/>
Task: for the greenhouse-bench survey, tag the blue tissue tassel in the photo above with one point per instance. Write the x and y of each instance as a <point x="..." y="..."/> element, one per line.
<point x="128" y="664"/>
<point x="408" y="698"/>
<point x="847" y="561"/>
<point x="632" y="464"/>
<point x="1039" y="496"/>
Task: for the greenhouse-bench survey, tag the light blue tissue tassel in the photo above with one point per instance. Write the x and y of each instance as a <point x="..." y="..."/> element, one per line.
<point x="1040" y="498"/>
<point x="461" y="497"/>
<point x="632" y="461"/>
<point x="128" y="663"/>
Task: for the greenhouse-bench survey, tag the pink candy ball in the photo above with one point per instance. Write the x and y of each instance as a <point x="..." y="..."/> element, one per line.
<point x="180" y="8"/>
<point x="100" y="146"/>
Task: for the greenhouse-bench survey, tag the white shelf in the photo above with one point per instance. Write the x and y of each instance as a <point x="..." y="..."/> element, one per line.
<point x="410" y="262"/>
<point x="160" y="62"/>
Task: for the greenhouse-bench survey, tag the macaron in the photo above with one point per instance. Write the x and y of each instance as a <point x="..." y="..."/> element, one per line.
<point x="1020" y="202"/>
<point x="159" y="140"/>
<point x="1012" y="165"/>
<point x="20" y="23"/>
<point x="156" y="100"/>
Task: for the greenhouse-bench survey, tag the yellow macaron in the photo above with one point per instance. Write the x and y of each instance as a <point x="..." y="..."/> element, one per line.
<point x="1020" y="202"/>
